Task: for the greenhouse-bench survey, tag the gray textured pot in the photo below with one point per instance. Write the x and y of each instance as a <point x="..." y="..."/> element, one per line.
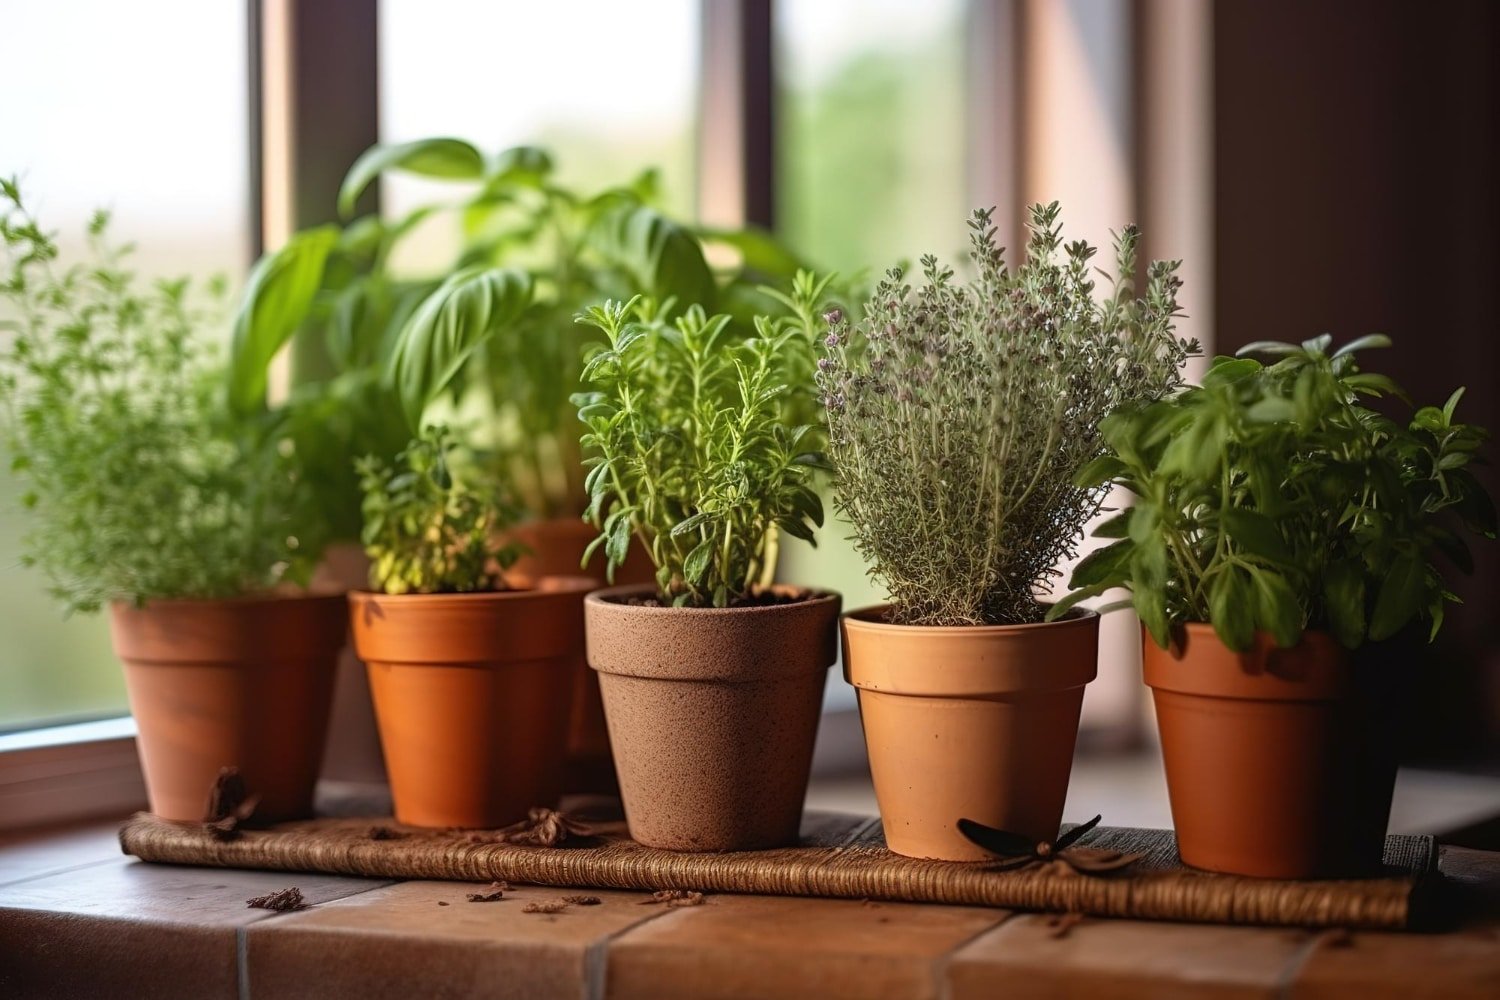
<point x="712" y="714"/>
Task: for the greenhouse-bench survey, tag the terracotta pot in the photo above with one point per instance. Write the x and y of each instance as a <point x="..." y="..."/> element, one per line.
<point x="471" y="696"/>
<point x="970" y="722"/>
<point x="556" y="549"/>
<point x="1280" y="762"/>
<point x="240" y="683"/>
<point x="353" y="751"/>
<point x="713" y="713"/>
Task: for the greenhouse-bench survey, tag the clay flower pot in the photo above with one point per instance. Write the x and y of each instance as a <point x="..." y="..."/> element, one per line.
<point x="1279" y="762"/>
<point x="472" y="693"/>
<point x="242" y="683"/>
<point x="969" y="722"/>
<point x="556" y="547"/>
<point x="712" y="713"/>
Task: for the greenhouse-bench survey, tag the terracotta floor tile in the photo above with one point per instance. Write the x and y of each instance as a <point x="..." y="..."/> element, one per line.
<point x="35" y="854"/>
<point x="1143" y="960"/>
<point x="127" y="929"/>
<point x="1462" y="965"/>
<point x="760" y="946"/>
<point x="399" y="942"/>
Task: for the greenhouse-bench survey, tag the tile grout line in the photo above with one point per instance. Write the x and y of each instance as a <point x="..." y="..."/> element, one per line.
<point x="596" y="957"/>
<point x="943" y="963"/>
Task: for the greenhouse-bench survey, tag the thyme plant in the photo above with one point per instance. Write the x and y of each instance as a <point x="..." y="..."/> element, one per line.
<point x="140" y="483"/>
<point x="959" y="414"/>
<point x="697" y="450"/>
<point x="1273" y="499"/>
<point x="430" y="521"/>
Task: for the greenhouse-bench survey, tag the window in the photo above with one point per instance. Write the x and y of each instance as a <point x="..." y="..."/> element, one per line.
<point x="140" y="108"/>
<point x="609" y="91"/>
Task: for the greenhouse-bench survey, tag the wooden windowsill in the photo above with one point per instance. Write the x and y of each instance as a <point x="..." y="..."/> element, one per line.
<point x="79" y="919"/>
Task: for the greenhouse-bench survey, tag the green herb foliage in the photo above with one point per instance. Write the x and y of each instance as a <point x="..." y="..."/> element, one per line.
<point x="431" y="520"/>
<point x="698" y="452"/>
<point x="140" y="483"/>
<point x="373" y="347"/>
<point x="958" y="416"/>
<point x="1272" y="498"/>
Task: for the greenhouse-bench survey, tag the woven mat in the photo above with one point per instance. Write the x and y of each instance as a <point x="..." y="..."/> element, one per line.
<point x="840" y="856"/>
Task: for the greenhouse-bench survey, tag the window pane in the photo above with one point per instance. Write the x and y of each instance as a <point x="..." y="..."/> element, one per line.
<point x="610" y="92"/>
<point x="140" y="108"/>
<point x="872" y="168"/>
<point x="872" y="129"/>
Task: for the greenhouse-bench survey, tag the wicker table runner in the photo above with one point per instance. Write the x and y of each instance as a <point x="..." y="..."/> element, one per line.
<point x="839" y="856"/>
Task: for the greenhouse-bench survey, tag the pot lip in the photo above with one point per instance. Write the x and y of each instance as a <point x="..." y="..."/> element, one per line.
<point x="865" y="620"/>
<point x="547" y="586"/>
<point x="123" y="605"/>
<point x="600" y="598"/>
<point x="1324" y="663"/>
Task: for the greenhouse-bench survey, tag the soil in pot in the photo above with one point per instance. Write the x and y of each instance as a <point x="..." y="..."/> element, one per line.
<point x="970" y="722"/>
<point x="237" y="683"/>
<point x="712" y="713"/>
<point x="1280" y="763"/>
<point x="472" y="694"/>
<point x="556" y="547"/>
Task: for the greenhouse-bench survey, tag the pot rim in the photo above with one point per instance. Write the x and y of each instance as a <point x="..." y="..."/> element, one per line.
<point x="547" y="586"/>
<point x="258" y="599"/>
<point x="864" y="619"/>
<point x="601" y="597"/>
<point x="1316" y="669"/>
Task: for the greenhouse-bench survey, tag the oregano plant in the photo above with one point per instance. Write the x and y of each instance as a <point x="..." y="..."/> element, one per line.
<point x="1274" y="498"/>
<point x="431" y="520"/>
<point x="140" y="482"/>
<point x="694" y="442"/>
<point x="959" y="414"/>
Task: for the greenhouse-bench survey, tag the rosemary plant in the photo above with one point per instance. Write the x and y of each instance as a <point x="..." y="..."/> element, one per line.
<point x="959" y="415"/>
<point x="1272" y="498"/>
<point x="697" y="451"/>
<point x="140" y="483"/>
<point x="430" y="522"/>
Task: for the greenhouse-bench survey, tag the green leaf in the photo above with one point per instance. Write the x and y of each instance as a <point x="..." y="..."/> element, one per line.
<point x="759" y="250"/>
<point x="1227" y="371"/>
<point x="1277" y="610"/>
<point x="447" y="158"/>
<point x="1344" y="602"/>
<point x="1100" y="471"/>
<point x="1230" y="609"/>
<point x="464" y="312"/>
<point x="1106" y="567"/>
<point x="1117" y="526"/>
<point x="1256" y="534"/>
<point x="1367" y="342"/>
<point x="663" y="258"/>
<point x="277" y="298"/>
<point x="1402" y="595"/>
<point x="1268" y="347"/>
<point x="698" y="562"/>
<point x="1063" y="606"/>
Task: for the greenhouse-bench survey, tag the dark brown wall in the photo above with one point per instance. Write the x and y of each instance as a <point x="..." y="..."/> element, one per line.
<point x="1355" y="172"/>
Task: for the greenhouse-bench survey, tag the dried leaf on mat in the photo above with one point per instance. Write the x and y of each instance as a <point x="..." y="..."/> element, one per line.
<point x="385" y="833"/>
<point x="497" y="890"/>
<point x="541" y="828"/>
<point x="1062" y="924"/>
<point x="230" y="804"/>
<point x="286" y="899"/>
<point x="674" y="897"/>
<point x="545" y="906"/>
<point x="583" y="900"/>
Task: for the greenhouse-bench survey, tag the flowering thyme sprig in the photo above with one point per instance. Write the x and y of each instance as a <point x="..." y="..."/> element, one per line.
<point x="958" y="416"/>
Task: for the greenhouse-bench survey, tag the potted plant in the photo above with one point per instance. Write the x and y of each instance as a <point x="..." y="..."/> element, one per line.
<point x="471" y="678"/>
<point x="1279" y="523"/>
<point x="151" y="499"/>
<point x="352" y="307"/>
<point x="957" y="419"/>
<point x="713" y="677"/>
